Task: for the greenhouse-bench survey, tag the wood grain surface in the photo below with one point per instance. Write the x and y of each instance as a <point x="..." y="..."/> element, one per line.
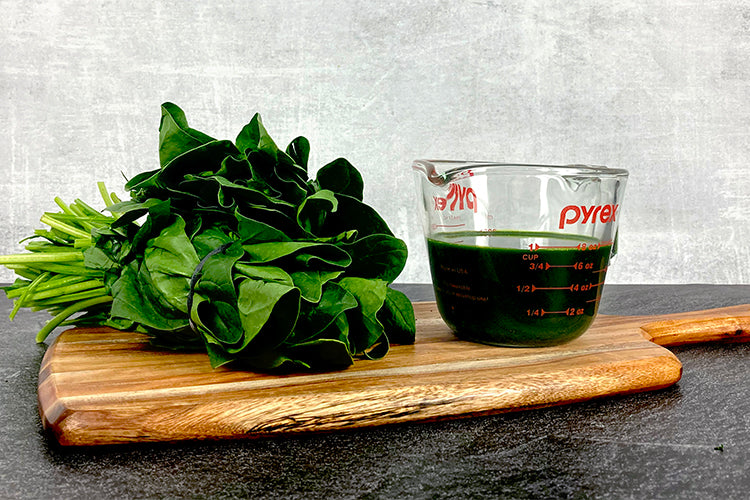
<point x="103" y="386"/>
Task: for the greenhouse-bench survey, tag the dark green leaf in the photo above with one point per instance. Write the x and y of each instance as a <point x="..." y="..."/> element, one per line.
<point x="310" y="282"/>
<point x="315" y="209"/>
<point x="299" y="151"/>
<point x="216" y="277"/>
<point x="171" y="260"/>
<point x="211" y="238"/>
<point x="341" y="177"/>
<point x="376" y="256"/>
<point x="315" y="319"/>
<point x="352" y="214"/>
<point x="268" y="312"/>
<point x="265" y="273"/>
<point x="136" y="300"/>
<point x="251" y="230"/>
<point x="175" y="136"/>
<point x="303" y="252"/>
<point x="254" y="137"/>
<point x="219" y="321"/>
<point x="321" y="354"/>
<point x="365" y="327"/>
<point x="397" y="317"/>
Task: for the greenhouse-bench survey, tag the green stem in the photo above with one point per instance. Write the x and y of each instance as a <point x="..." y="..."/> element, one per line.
<point x="105" y="194"/>
<point x="66" y="268"/>
<point x="30" y="258"/>
<point x="46" y="246"/>
<point x="66" y="290"/>
<point x="24" y="296"/>
<point x="71" y="297"/>
<point x="88" y="210"/>
<point x="68" y="312"/>
<point x="65" y="228"/>
<point x="52" y="283"/>
<point x="81" y="217"/>
<point x="65" y="208"/>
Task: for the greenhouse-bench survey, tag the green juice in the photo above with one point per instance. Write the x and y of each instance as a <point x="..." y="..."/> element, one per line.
<point x="517" y="288"/>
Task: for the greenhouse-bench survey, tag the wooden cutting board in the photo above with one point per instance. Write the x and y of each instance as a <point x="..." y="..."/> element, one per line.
<point x="103" y="386"/>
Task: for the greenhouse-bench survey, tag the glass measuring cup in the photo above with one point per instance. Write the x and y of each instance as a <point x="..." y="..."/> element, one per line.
<point x="518" y="253"/>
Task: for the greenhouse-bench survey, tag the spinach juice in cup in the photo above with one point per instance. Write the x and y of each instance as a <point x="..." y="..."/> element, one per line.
<point x="518" y="253"/>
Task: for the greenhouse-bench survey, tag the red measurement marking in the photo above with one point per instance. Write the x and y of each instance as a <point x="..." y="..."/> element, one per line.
<point x="535" y="288"/>
<point x="603" y="270"/>
<point x="580" y="246"/>
<point x="537" y="246"/>
<point x="571" y="311"/>
<point x="447" y="225"/>
<point x="575" y="287"/>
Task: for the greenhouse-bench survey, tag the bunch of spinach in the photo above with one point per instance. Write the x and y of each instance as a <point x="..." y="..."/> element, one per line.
<point x="52" y="274"/>
<point x="231" y="247"/>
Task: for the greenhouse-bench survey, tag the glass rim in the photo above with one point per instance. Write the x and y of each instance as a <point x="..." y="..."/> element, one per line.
<point x="451" y="168"/>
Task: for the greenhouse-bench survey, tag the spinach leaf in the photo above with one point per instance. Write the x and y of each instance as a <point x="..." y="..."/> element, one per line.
<point x="136" y="299"/>
<point x="254" y="137"/>
<point x="171" y="259"/>
<point x="352" y="214"/>
<point x="264" y="272"/>
<point x="317" y="318"/>
<point x="268" y="312"/>
<point x="175" y="136"/>
<point x="299" y="151"/>
<point x="378" y="256"/>
<point x="306" y="253"/>
<point x="310" y="282"/>
<point x="321" y="354"/>
<point x="251" y="230"/>
<point x="341" y="177"/>
<point x="397" y="317"/>
<point x="313" y="211"/>
<point x="366" y="328"/>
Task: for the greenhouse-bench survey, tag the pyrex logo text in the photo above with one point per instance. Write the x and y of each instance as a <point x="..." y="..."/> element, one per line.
<point x="572" y="214"/>
<point x="464" y="197"/>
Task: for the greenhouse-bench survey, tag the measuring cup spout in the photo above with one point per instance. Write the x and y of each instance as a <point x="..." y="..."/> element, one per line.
<point x="430" y="172"/>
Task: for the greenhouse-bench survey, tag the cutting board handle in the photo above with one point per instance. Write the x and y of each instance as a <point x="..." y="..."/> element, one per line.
<point x="694" y="330"/>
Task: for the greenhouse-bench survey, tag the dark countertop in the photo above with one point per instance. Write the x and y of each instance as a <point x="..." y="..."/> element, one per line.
<point x="691" y="440"/>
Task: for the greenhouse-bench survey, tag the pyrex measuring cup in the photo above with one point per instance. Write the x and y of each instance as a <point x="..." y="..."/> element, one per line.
<point x="518" y="253"/>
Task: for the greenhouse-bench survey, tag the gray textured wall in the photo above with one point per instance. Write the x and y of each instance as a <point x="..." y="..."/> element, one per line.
<point x="658" y="87"/>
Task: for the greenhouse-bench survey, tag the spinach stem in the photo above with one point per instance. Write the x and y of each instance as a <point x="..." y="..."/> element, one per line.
<point x="105" y="195"/>
<point x="65" y="228"/>
<point x="41" y="257"/>
<point x="71" y="297"/>
<point x="87" y="209"/>
<point x="68" y="312"/>
<point x="64" y="290"/>
<point x="65" y="208"/>
<point x="81" y="217"/>
<point x="51" y="283"/>
<point x="24" y="296"/>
